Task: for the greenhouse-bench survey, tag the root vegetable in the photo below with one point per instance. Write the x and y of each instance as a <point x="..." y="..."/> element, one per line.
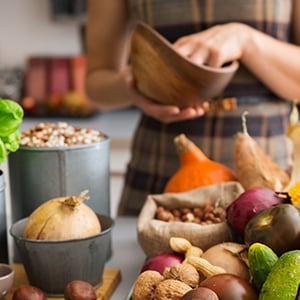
<point x="254" y="168"/>
<point x="248" y="204"/>
<point x="293" y="134"/>
<point x="62" y="219"/>
<point x="224" y="256"/>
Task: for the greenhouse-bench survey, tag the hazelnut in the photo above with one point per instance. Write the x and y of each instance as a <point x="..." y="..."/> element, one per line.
<point x="79" y="290"/>
<point x="28" y="292"/>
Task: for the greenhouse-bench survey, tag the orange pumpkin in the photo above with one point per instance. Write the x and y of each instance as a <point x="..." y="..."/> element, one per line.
<point x="196" y="169"/>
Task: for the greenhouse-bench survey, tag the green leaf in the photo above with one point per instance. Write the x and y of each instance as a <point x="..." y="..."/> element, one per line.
<point x="11" y="116"/>
<point x="3" y="152"/>
<point x="11" y="142"/>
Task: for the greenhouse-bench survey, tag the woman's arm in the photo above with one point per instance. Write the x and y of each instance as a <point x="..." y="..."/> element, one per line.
<point x="275" y="63"/>
<point x="106" y="44"/>
<point x="109" y="80"/>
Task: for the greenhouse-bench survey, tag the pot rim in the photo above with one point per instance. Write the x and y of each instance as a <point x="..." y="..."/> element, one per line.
<point x="102" y="233"/>
<point x="106" y="139"/>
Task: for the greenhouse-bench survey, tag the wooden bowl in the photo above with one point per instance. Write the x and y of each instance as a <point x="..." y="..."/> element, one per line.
<point x="164" y="75"/>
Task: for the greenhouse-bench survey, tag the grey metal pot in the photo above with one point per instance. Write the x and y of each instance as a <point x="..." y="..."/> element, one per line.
<point x="39" y="174"/>
<point x="51" y="265"/>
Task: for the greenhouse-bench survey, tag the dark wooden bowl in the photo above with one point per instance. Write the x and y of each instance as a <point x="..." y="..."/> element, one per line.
<point x="164" y="75"/>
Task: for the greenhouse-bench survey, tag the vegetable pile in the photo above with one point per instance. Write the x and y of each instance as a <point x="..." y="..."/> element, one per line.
<point x="11" y="117"/>
<point x="263" y="260"/>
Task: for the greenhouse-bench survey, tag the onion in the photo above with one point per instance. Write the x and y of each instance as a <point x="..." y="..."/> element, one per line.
<point x="248" y="204"/>
<point x="161" y="261"/>
<point x="62" y="218"/>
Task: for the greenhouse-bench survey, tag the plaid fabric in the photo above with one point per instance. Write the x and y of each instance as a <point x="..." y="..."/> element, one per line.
<point x="154" y="158"/>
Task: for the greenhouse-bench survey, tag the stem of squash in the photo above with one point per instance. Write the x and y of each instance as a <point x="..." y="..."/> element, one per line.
<point x="187" y="150"/>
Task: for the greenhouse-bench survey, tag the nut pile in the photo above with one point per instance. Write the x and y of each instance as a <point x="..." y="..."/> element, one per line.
<point x="59" y="134"/>
<point x="178" y="279"/>
<point x="207" y="213"/>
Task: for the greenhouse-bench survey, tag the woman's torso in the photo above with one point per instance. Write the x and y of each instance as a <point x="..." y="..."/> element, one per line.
<point x="154" y="158"/>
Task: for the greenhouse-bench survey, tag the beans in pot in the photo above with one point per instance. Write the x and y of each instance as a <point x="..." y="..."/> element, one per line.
<point x="59" y="134"/>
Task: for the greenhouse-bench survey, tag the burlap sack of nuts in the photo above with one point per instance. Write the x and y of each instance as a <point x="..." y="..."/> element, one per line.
<point x="154" y="234"/>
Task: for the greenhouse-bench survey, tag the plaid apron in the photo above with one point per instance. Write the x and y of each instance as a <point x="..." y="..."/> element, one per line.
<point x="154" y="158"/>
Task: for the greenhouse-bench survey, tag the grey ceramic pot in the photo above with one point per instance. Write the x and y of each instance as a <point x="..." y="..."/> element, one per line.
<point x="7" y="276"/>
<point x="51" y="265"/>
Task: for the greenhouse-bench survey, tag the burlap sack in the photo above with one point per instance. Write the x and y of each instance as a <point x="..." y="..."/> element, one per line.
<point x="154" y="235"/>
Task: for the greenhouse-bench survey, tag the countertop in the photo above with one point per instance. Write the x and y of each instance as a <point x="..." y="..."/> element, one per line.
<point x="127" y="255"/>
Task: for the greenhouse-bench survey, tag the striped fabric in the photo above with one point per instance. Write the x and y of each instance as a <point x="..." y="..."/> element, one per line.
<point x="154" y="158"/>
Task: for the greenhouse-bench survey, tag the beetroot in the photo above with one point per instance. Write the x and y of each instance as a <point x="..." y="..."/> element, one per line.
<point x="248" y="204"/>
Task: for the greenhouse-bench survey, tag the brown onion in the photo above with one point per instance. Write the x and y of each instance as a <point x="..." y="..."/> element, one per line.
<point x="62" y="218"/>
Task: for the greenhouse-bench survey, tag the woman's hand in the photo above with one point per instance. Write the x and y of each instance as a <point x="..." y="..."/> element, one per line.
<point x="161" y="112"/>
<point x="216" y="45"/>
<point x="167" y="113"/>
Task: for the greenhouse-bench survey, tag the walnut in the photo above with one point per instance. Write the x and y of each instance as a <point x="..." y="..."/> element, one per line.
<point x="145" y="285"/>
<point x="183" y="272"/>
<point x="171" y="289"/>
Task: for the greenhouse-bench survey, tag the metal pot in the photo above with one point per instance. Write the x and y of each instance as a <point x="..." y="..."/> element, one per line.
<point x="38" y="174"/>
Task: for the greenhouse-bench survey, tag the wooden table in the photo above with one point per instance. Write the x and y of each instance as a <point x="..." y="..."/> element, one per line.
<point x="111" y="279"/>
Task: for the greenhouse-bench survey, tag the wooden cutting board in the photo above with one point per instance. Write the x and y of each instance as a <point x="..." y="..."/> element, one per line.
<point x="111" y="279"/>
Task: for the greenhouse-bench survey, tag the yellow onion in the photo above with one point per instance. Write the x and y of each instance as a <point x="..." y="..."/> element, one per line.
<point x="62" y="218"/>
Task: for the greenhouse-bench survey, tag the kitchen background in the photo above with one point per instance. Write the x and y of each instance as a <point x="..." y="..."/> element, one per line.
<point x="38" y="42"/>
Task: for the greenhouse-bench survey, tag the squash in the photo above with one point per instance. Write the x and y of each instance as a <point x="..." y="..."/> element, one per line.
<point x="196" y="169"/>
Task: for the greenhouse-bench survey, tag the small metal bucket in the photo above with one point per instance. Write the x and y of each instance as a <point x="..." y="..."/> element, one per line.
<point x="39" y="174"/>
<point x="51" y="265"/>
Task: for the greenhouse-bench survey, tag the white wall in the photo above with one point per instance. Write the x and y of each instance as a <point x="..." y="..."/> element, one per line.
<point x="26" y="28"/>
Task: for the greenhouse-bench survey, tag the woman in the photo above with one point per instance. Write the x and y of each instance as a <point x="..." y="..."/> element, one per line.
<point x="263" y="35"/>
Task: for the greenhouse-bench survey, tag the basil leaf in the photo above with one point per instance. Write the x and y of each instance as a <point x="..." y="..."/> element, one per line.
<point x="11" y="116"/>
<point x="11" y="142"/>
<point x="3" y="152"/>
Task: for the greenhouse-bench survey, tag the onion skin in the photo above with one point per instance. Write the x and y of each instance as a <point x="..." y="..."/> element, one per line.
<point x="161" y="261"/>
<point x="62" y="219"/>
<point x="248" y="204"/>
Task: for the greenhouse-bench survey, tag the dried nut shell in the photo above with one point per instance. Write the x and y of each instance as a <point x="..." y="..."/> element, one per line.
<point x="183" y="272"/>
<point x="146" y="284"/>
<point x="180" y="245"/>
<point x="171" y="289"/>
